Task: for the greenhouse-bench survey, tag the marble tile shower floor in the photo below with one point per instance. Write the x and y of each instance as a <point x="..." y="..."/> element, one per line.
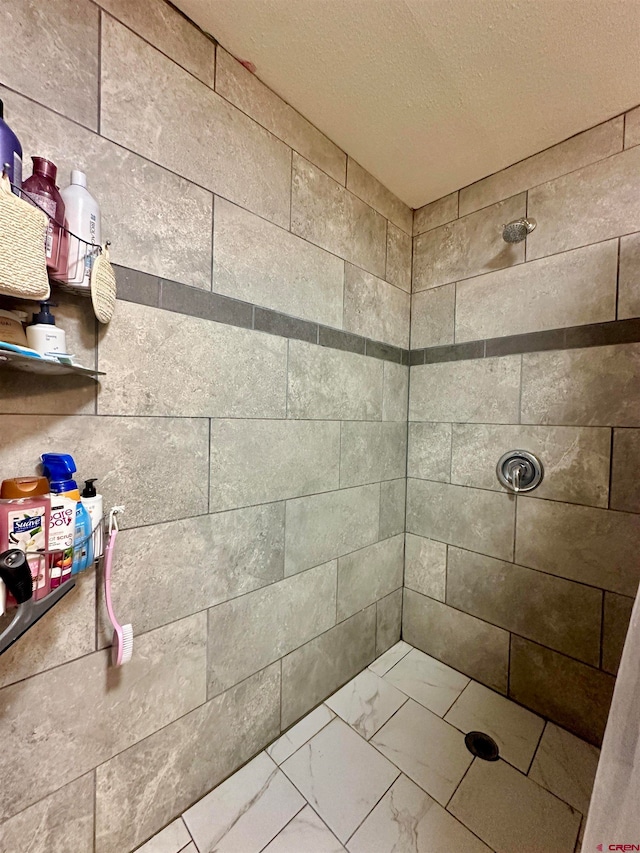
<point x="382" y="767"/>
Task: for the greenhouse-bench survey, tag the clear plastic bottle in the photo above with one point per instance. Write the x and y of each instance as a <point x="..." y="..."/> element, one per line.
<point x="41" y="188"/>
<point x="83" y="216"/>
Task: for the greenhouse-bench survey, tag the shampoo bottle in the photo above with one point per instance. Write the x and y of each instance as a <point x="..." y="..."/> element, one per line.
<point x="10" y="152"/>
<point x="59" y="469"/>
<point x="83" y="218"/>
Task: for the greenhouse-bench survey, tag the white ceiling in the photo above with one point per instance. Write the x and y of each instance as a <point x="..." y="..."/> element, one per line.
<point x="431" y="95"/>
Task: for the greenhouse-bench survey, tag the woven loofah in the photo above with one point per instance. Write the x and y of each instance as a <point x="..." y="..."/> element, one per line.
<point x="23" y="266"/>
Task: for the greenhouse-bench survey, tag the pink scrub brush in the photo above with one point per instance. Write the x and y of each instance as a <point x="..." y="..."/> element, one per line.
<point x="122" y="645"/>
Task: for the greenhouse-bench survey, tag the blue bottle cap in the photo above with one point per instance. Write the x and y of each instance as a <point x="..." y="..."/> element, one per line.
<point x="59" y="468"/>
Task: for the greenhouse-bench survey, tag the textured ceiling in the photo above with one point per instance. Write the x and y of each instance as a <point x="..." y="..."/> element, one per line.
<point x="431" y="95"/>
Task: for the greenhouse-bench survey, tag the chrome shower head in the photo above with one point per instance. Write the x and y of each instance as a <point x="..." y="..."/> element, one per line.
<point x="518" y="230"/>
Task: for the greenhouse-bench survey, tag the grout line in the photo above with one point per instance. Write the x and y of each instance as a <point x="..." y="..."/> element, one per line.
<point x="509" y="665"/>
<point x="535" y="751"/>
<point x="601" y="661"/>
<point x="288" y="823"/>
<point x="617" y="306"/>
<point x="379" y="800"/>
<point x="448" y="803"/>
<point x="611" y="457"/>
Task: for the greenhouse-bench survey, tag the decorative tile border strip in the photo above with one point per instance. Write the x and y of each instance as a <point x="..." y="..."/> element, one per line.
<point x="571" y="337"/>
<point x="146" y="289"/>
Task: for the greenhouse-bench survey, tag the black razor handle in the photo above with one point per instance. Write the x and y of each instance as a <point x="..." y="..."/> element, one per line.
<point x="16" y="573"/>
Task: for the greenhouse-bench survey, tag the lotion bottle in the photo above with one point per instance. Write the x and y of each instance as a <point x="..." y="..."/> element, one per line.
<point x="43" y="335"/>
<point x="92" y="502"/>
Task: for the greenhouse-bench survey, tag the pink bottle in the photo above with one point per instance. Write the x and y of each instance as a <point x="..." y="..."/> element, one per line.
<point x="25" y="511"/>
<point x="41" y="188"/>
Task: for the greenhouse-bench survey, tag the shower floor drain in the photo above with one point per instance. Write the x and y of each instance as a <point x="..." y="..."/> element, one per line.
<point x="481" y="745"/>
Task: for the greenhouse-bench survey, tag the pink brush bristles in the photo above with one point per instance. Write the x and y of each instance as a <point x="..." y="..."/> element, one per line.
<point x="122" y="644"/>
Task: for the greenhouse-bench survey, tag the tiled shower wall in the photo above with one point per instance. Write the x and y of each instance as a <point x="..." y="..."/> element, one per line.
<point x="531" y="595"/>
<point x="261" y="457"/>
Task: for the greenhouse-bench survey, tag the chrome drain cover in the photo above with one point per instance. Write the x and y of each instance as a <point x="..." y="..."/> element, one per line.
<point x="482" y="746"/>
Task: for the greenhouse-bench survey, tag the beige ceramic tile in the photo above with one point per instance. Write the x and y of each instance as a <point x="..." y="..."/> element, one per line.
<point x="629" y="277"/>
<point x="341" y="776"/>
<point x="399" y="249"/>
<point x="475" y="391"/>
<point x="430" y="682"/>
<point x="246" y="811"/>
<point x="475" y="519"/>
<point x="580" y="150"/>
<point x="50" y="54"/>
<point x="570" y="289"/>
<point x="436" y="213"/>
<point x="299" y="734"/>
<point x="369" y="189"/>
<point x="370" y="452"/>
<point x="369" y="574"/>
<point x="560" y="614"/>
<point x="170" y="240"/>
<point x="617" y="614"/>
<point x="565" y="691"/>
<point x="576" y="460"/>
<point x="322" y="527"/>
<point x="515" y="730"/>
<point x="626" y="455"/>
<point x="425" y="566"/>
<point x="248" y="93"/>
<point x="594" y="203"/>
<point x="593" y="546"/>
<point x="392" y="506"/>
<point x="383" y="664"/>
<point x="66" y="633"/>
<point x="257" y="461"/>
<point x="432" y="316"/>
<point x="331" y="384"/>
<point x="217" y="370"/>
<point x="242" y="550"/>
<point x="511" y="813"/>
<point x="468" y="246"/>
<point x="305" y="832"/>
<point x="250" y="632"/>
<point x="155" y="108"/>
<point x="136" y="790"/>
<point x="431" y="752"/>
<point x="317" y="669"/>
<point x="172" y="839"/>
<point x="61" y="822"/>
<point x="165" y="28"/>
<point x="566" y="766"/>
<point x="429" y="451"/>
<point x="259" y="262"/>
<point x="462" y="641"/>
<point x="408" y="819"/>
<point x="330" y="216"/>
<point x="632" y="128"/>
<point x="395" y="392"/>
<point x="375" y="309"/>
<point x="164" y="680"/>
<point x="366" y="703"/>
<point x="388" y="620"/>
<point x="586" y="387"/>
<point x="125" y="454"/>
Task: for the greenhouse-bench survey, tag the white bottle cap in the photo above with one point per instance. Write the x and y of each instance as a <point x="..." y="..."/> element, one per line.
<point x="79" y="178"/>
